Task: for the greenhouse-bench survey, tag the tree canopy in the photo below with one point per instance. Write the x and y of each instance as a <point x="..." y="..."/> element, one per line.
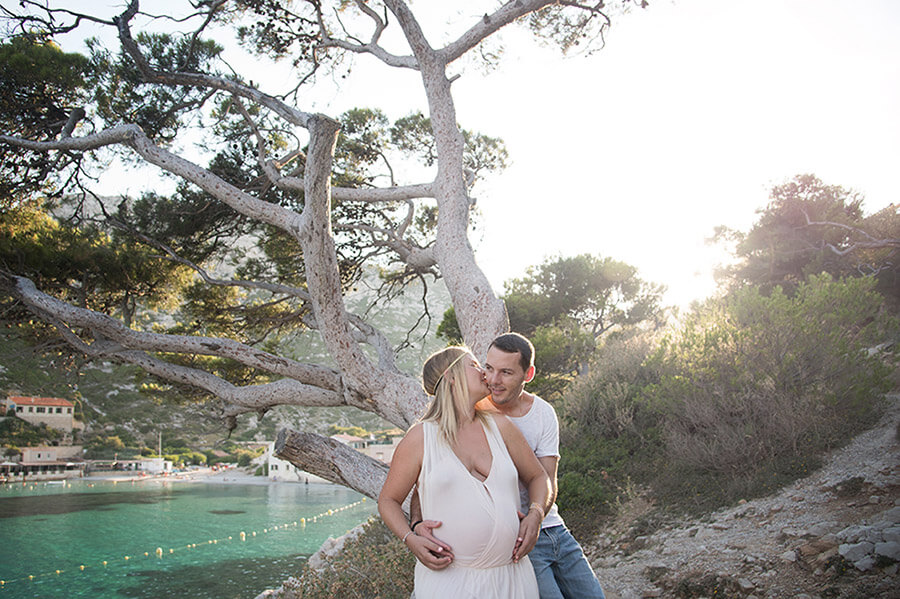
<point x="567" y="306"/>
<point x="810" y="227"/>
<point x="274" y="210"/>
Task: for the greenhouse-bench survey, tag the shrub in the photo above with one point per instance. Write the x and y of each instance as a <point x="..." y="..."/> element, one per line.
<point x="609" y="431"/>
<point x="741" y="399"/>
<point x="754" y="387"/>
<point x="374" y="564"/>
<point x="17" y="432"/>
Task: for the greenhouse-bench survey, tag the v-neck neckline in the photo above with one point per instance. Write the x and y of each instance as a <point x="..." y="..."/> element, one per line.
<point x="490" y="451"/>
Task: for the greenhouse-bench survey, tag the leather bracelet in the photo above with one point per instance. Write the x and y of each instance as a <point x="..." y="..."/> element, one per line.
<point x="414" y="524"/>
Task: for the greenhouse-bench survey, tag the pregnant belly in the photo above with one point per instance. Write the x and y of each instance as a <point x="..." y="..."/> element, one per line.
<point x="478" y="536"/>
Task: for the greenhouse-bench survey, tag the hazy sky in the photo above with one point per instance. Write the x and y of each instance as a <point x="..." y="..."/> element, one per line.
<point x="684" y="121"/>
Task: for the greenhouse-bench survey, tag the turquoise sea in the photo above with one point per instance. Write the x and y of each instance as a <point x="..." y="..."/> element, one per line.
<point x="160" y="539"/>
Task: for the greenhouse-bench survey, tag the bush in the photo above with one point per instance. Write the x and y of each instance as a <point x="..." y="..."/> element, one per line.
<point x="754" y="388"/>
<point x="609" y="431"/>
<point x="374" y="564"/>
<point x="20" y="433"/>
<point x="743" y="398"/>
<point x="753" y="379"/>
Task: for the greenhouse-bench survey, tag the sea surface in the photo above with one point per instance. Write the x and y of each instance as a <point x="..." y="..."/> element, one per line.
<point x="160" y="539"/>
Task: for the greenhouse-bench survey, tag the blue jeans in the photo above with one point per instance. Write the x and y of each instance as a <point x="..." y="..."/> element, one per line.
<point x="561" y="568"/>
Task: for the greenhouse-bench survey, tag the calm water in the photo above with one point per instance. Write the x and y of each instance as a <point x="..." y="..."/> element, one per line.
<point x="197" y="527"/>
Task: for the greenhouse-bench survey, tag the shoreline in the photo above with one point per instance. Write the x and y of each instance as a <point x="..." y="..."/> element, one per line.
<point x="227" y="476"/>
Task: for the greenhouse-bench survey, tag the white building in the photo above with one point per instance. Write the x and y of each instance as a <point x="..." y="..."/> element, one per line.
<point x="45" y="463"/>
<point x="155" y="465"/>
<point x="55" y="412"/>
<point x="383" y="452"/>
<point x="284" y="471"/>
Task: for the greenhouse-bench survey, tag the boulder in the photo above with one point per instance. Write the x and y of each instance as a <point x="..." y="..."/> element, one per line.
<point x="853" y="552"/>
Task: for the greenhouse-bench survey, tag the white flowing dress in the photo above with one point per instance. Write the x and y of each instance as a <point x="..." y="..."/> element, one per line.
<point x="479" y="521"/>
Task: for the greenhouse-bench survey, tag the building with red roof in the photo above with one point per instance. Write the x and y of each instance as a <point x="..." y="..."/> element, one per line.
<point x="55" y="412"/>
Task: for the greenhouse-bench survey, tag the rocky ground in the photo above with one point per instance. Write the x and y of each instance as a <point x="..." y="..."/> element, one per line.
<point x="834" y="534"/>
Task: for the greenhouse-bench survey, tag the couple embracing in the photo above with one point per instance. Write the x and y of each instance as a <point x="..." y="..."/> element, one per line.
<point x="483" y="461"/>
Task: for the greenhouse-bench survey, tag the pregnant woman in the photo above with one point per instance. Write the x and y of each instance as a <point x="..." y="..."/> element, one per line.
<point x="466" y="465"/>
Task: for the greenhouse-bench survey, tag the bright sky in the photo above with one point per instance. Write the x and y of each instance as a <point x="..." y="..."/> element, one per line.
<point x="684" y="121"/>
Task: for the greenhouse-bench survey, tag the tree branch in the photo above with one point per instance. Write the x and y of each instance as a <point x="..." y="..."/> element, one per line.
<point x="151" y="75"/>
<point x="331" y="460"/>
<point x="872" y="243"/>
<point x="372" y="47"/>
<point x="490" y="24"/>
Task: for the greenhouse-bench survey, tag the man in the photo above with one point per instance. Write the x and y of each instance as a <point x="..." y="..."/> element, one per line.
<point x="562" y="570"/>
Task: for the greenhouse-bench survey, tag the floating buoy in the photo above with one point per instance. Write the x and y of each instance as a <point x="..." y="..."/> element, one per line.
<point x="127" y="558"/>
<point x="30" y="577"/>
<point x="171" y="551"/>
<point x="146" y="554"/>
<point x="243" y="536"/>
<point x="159" y="552"/>
<point x="58" y="572"/>
<point x="104" y="562"/>
<point x="81" y="567"/>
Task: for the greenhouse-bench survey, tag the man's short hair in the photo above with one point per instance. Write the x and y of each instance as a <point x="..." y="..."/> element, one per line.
<point x="513" y="343"/>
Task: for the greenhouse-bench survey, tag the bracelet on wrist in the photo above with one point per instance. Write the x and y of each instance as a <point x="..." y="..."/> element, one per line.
<point x="414" y="524"/>
<point x="537" y="506"/>
<point x="403" y="540"/>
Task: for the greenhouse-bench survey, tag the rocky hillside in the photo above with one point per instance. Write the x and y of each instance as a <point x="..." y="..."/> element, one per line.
<point x="834" y="534"/>
<point x="118" y="400"/>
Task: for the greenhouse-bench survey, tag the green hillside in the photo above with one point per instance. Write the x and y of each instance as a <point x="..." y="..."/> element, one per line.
<point x="121" y="401"/>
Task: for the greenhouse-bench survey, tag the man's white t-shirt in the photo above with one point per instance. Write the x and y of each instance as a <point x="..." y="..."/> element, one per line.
<point x="540" y="427"/>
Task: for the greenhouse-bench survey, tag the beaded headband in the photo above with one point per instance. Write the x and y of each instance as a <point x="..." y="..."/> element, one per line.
<point x="452" y="364"/>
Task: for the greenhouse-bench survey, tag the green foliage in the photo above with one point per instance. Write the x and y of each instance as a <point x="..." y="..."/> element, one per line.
<point x="374" y="564"/>
<point x="123" y="94"/>
<point x="244" y="457"/>
<point x="278" y="29"/>
<point x="16" y="433"/>
<point x="559" y="351"/>
<point x="756" y="386"/>
<point x="572" y="30"/>
<point x="449" y="327"/>
<point x="783" y="248"/>
<point x="356" y="431"/>
<point x="566" y="306"/>
<point x="101" y="446"/>
<point x="40" y="87"/>
<point x="412" y="134"/>
<point x="742" y="398"/>
<point x="84" y="264"/>
<point x="600" y="294"/>
<point x="609" y="431"/>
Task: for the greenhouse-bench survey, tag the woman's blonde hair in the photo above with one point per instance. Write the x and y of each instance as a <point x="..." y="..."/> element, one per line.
<point x="444" y="377"/>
